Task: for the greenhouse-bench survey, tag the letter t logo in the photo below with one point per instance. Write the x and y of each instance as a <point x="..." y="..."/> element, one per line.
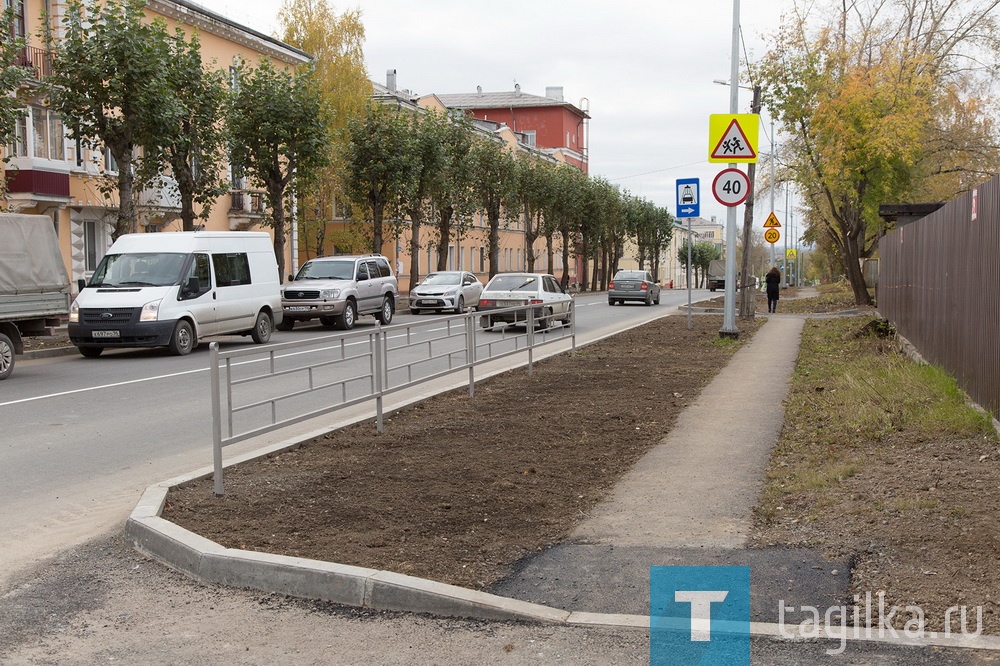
<point x="701" y="610"/>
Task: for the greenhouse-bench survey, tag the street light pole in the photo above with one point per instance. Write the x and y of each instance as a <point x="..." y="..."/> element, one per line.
<point x="772" y="184"/>
<point x="729" y="329"/>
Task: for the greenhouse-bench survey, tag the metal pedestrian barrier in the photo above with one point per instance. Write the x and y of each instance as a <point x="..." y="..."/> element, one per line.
<point x="257" y="390"/>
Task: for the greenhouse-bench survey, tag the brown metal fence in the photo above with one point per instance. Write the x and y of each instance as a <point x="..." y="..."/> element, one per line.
<point x="939" y="283"/>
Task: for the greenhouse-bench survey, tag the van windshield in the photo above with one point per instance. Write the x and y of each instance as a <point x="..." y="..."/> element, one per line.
<point x="140" y="269"/>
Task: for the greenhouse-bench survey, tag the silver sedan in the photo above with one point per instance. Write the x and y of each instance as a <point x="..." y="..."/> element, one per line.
<point x="446" y="290"/>
<point x="633" y="286"/>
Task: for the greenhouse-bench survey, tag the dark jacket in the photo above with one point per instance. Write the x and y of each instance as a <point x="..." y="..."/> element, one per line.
<point x="772" y="281"/>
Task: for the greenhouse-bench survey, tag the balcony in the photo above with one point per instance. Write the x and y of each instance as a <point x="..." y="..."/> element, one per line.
<point x="247" y="208"/>
<point x="30" y="188"/>
<point x="37" y="61"/>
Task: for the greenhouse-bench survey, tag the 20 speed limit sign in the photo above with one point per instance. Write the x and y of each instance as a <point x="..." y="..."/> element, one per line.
<point x="731" y="187"/>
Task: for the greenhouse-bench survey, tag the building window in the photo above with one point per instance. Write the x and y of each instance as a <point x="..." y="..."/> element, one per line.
<point x="529" y="138"/>
<point x="48" y="140"/>
<point x="110" y="163"/>
<point x="93" y="244"/>
<point x="20" y="146"/>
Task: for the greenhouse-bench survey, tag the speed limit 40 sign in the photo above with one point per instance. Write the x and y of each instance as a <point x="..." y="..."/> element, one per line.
<point x="731" y="187"/>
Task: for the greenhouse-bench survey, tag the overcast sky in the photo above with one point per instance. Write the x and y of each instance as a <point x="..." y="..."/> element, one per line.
<point x="643" y="68"/>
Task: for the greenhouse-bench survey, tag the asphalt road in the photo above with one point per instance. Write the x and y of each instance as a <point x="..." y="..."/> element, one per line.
<point x="82" y="438"/>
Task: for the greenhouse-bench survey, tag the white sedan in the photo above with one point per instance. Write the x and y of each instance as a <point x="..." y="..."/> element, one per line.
<point x="446" y="290"/>
<point x="509" y="290"/>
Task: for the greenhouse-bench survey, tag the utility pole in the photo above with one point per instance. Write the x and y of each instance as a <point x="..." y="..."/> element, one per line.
<point x="773" y="184"/>
<point x="729" y="329"/>
<point x="747" y="297"/>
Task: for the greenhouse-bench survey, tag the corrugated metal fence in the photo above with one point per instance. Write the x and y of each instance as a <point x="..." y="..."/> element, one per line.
<point x="939" y="283"/>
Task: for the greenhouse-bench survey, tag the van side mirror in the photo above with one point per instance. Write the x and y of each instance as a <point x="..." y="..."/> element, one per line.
<point x="291" y="278"/>
<point x="81" y="284"/>
<point x="193" y="286"/>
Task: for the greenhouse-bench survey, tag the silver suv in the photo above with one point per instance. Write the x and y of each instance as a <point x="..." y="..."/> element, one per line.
<point x="338" y="289"/>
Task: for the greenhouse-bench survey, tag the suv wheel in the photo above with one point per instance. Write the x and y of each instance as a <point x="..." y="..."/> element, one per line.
<point x="385" y="314"/>
<point x="345" y="321"/>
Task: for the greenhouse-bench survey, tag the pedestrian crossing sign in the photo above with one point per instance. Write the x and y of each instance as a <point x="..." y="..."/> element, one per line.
<point x="732" y="137"/>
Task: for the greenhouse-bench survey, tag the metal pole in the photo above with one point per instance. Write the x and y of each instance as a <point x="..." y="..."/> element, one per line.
<point x="213" y="367"/>
<point x="729" y="329"/>
<point x="772" y="183"/>
<point x="690" y="325"/>
<point x="784" y="262"/>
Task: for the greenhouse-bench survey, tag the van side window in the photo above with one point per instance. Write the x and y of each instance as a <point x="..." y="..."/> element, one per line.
<point x="231" y="269"/>
<point x="199" y="268"/>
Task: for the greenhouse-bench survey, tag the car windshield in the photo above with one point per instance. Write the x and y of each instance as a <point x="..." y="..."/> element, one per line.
<point x="139" y="269"/>
<point x="327" y="270"/>
<point x="443" y="278"/>
<point x="514" y="283"/>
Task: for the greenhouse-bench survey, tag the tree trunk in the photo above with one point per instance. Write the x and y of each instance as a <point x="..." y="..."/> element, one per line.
<point x="416" y="220"/>
<point x="444" y="236"/>
<point x="494" y="241"/>
<point x="275" y="195"/>
<point x="127" y="221"/>
<point x="748" y="299"/>
<point x="565" y="276"/>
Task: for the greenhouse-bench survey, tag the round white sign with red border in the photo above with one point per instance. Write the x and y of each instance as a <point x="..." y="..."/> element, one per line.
<point x="731" y="187"/>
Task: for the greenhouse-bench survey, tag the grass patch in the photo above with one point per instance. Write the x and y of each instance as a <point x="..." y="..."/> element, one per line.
<point x="850" y="395"/>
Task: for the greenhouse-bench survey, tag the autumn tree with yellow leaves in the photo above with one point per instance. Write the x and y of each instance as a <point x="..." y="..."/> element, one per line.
<point x="335" y="41"/>
<point x="881" y="101"/>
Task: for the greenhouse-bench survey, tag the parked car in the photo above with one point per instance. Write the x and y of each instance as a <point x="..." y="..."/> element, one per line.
<point x="633" y="286"/>
<point x="446" y="290"/>
<point x="507" y="290"/>
<point x="338" y="289"/>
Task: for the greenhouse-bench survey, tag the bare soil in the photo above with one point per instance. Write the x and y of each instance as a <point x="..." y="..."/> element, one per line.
<point x="459" y="489"/>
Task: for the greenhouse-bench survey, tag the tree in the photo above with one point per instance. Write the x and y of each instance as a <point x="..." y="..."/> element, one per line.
<point x="110" y="84"/>
<point x="867" y="101"/>
<point x="491" y="171"/>
<point x="278" y="134"/>
<point x="335" y="42"/>
<point x="452" y="195"/>
<point x="195" y="146"/>
<point x="535" y="182"/>
<point x="12" y="77"/>
<point x="378" y="165"/>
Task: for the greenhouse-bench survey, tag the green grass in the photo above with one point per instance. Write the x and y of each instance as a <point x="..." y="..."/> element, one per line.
<point x="849" y="395"/>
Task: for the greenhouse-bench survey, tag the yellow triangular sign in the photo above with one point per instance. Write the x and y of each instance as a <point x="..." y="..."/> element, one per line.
<point x="772" y="221"/>
<point x="734" y="144"/>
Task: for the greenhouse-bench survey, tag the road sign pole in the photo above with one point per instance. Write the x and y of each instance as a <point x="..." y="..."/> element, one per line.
<point x="690" y="324"/>
<point x="772" y="181"/>
<point x="729" y="329"/>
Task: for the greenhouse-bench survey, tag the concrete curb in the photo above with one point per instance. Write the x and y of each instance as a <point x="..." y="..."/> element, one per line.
<point x="208" y="561"/>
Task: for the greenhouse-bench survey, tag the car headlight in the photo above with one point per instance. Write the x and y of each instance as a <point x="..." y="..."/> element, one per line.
<point x="150" y="311"/>
<point x="329" y="293"/>
<point x="74" y="313"/>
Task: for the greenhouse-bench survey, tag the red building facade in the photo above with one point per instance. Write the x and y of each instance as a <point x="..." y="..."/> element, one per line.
<point x="547" y="123"/>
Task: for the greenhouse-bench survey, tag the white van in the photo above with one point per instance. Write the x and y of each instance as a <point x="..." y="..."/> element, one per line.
<point x="173" y="289"/>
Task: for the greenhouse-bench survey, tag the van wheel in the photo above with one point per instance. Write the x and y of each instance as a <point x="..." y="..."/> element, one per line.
<point x="261" y="332"/>
<point x="286" y="324"/>
<point x="6" y="356"/>
<point x="182" y="340"/>
<point x="345" y="321"/>
<point x="91" y="352"/>
<point x="385" y="314"/>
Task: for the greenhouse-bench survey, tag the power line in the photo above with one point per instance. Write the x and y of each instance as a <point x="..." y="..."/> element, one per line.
<point x="636" y="175"/>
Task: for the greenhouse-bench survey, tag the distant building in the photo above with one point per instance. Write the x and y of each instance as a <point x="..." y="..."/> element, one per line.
<point x="709" y="231"/>
<point x="548" y="123"/>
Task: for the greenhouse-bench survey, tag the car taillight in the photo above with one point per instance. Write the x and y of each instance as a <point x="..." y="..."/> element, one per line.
<point x="645" y="286"/>
<point x="611" y="285"/>
<point x="486" y="302"/>
<point x="535" y="301"/>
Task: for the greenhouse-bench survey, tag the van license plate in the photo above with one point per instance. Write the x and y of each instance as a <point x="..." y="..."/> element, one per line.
<point x="106" y="334"/>
<point x="297" y="308"/>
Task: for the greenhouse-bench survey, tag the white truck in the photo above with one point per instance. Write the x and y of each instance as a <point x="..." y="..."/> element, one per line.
<point x="716" y="274"/>
<point x="34" y="284"/>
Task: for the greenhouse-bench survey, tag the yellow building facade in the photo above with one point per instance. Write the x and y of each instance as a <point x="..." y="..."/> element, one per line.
<point x="50" y="174"/>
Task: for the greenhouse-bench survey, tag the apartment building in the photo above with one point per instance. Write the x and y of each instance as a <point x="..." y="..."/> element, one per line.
<point x="52" y="175"/>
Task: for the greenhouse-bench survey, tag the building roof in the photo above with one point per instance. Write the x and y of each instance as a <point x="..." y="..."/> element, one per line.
<point x="503" y="100"/>
<point x="194" y="13"/>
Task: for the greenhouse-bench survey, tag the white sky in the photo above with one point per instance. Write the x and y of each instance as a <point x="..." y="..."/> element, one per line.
<point x="646" y="66"/>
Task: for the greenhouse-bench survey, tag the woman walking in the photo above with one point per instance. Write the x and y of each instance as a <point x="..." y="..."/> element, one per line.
<point x="773" y="282"/>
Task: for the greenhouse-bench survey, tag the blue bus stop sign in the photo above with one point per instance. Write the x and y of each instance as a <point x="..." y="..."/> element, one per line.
<point x="688" y="198"/>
